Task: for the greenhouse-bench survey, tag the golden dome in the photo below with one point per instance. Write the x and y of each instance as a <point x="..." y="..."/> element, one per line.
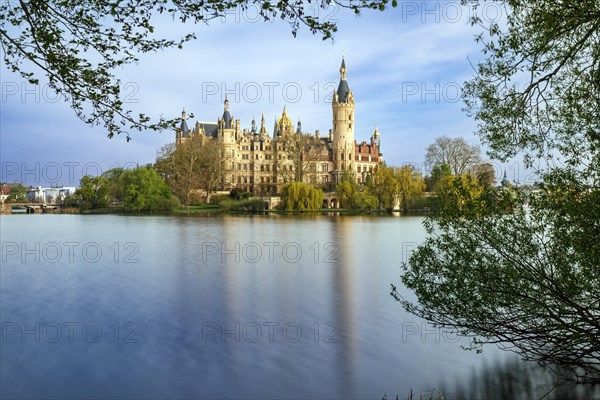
<point x="285" y="121"/>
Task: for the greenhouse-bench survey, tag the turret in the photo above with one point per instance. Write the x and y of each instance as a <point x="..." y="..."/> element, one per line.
<point x="343" y="123"/>
<point x="376" y="138"/>
<point x="263" y="128"/>
<point x="183" y="132"/>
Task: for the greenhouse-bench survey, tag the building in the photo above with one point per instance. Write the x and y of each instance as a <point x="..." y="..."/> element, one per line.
<point x="261" y="162"/>
<point x="50" y="195"/>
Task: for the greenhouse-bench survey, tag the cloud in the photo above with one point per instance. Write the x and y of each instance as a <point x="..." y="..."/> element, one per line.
<point x="394" y="60"/>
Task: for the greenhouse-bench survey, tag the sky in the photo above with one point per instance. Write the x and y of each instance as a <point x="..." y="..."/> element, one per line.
<point x="405" y="67"/>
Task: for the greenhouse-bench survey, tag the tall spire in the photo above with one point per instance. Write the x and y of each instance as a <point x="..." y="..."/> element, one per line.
<point x="263" y="128"/>
<point x="343" y="69"/>
<point x="226" y="116"/>
<point x="343" y="88"/>
<point x="185" y="132"/>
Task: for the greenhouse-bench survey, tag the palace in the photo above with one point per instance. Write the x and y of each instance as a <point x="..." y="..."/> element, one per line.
<point x="259" y="162"/>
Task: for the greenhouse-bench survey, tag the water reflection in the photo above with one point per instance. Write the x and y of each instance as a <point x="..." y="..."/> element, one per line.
<point x="198" y="309"/>
<point x="513" y="379"/>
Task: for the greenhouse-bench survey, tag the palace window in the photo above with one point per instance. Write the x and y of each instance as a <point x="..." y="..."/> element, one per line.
<point x="325" y="167"/>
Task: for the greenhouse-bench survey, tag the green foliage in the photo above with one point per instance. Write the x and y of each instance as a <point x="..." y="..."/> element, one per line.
<point x="383" y="185"/>
<point x="438" y="172"/>
<point x="239" y="194"/>
<point x="145" y="190"/>
<point x="92" y="193"/>
<point x="79" y="46"/>
<point x="345" y="192"/>
<point x="300" y="196"/>
<point x="252" y="205"/>
<point x="17" y="193"/>
<point x="529" y="277"/>
<point x="393" y="186"/>
<point x="218" y="198"/>
<point x="515" y="269"/>
<point x="455" y="194"/>
<point x="538" y="90"/>
<point x="115" y="184"/>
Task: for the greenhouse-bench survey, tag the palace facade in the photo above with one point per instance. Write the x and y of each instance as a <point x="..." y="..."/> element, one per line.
<point x="261" y="162"/>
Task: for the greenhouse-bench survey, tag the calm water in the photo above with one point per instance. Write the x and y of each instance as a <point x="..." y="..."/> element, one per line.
<point x="226" y="307"/>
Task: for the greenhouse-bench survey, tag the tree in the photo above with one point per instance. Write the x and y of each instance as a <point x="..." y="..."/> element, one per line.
<point x="485" y="174"/>
<point x="300" y="196"/>
<point x="345" y="192"/>
<point x="455" y="153"/>
<point x="454" y="194"/>
<point x="527" y="279"/>
<point x="382" y="184"/>
<point x="115" y="184"/>
<point x="298" y="156"/>
<point x="145" y="190"/>
<point x="191" y="165"/>
<point x="239" y="194"/>
<point x="92" y="193"/>
<point x="410" y="185"/>
<point x="17" y="193"/>
<point x="438" y="172"/>
<point x="78" y="46"/>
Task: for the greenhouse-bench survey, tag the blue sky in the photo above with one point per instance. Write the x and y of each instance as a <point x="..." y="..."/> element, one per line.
<point x="405" y="67"/>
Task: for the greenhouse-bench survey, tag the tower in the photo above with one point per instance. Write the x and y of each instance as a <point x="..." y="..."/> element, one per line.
<point x="183" y="133"/>
<point x="226" y="126"/>
<point x="343" y="124"/>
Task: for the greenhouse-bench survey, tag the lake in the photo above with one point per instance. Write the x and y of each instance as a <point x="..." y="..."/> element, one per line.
<point x="228" y="306"/>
